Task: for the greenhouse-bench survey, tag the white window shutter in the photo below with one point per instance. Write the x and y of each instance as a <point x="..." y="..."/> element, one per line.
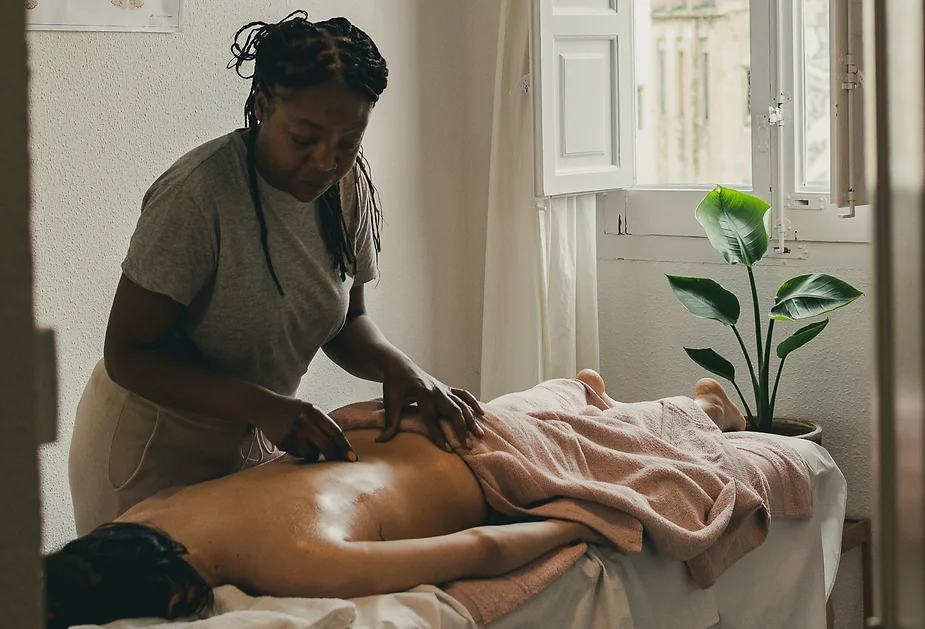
<point x="584" y="94"/>
<point x="847" y="117"/>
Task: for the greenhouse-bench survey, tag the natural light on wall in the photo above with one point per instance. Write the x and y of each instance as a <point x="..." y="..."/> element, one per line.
<point x="761" y="96"/>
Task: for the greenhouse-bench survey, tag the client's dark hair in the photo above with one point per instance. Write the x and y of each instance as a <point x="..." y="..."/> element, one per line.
<point x="118" y="571"/>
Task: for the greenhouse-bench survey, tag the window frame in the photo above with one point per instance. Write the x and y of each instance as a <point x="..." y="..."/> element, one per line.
<point x="797" y="213"/>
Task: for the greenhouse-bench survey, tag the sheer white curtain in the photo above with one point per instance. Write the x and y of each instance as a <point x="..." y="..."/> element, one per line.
<point x="540" y="314"/>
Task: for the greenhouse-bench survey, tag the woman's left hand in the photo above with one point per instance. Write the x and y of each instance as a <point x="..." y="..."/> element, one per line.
<point x="404" y="383"/>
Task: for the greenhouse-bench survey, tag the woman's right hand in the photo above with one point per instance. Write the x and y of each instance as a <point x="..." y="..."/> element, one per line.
<point x="303" y="430"/>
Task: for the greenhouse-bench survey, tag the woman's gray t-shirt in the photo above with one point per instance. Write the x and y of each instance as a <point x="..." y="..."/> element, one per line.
<point x="198" y="242"/>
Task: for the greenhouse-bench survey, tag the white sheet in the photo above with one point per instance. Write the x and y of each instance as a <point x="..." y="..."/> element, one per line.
<point x="422" y="607"/>
<point x="783" y="584"/>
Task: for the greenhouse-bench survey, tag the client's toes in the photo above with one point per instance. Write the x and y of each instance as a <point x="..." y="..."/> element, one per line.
<point x="592" y="379"/>
<point x="728" y="416"/>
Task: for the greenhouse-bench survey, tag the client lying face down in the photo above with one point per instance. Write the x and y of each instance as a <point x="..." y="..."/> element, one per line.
<point x="407" y="513"/>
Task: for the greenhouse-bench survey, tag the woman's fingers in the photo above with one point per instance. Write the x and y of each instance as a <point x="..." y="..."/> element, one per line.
<point x="471" y="426"/>
<point x="469" y="399"/>
<point x="329" y="428"/>
<point x="312" y="433"/>
<point x="314" y="430"/>
<point x="432" y="423"/>
<point x="393" y="400"/>
<point x="450" y="411"/>
<point x="301" y="448"/>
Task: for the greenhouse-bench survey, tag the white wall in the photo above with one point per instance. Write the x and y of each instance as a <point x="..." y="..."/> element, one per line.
<point x="111" y="111"/>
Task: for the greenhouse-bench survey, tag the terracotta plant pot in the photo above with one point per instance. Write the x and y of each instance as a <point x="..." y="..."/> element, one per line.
<point x="798" y="428"/>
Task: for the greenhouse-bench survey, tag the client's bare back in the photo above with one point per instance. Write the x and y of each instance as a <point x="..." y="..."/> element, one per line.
<point x="377" y="497"/>
<point x="404" y="489"/>
<point x="708" y="394"/>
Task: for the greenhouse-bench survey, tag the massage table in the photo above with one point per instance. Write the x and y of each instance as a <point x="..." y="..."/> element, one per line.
<point x="784" y="583"/>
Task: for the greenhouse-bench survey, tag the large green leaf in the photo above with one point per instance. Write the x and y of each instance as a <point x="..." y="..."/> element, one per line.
<point x="713" y="362"/>
<point x="800" y="338"/>
<point x="734" y="223"/>
<point x="811" y="295"/>
<point x="705" y="298"/>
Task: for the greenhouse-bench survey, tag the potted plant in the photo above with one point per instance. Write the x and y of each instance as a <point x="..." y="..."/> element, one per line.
<point x="735" y="224"/>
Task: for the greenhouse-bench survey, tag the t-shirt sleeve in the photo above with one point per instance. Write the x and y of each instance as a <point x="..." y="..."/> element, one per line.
<point x="173" y="250"/>
<point x="367" y="258"/>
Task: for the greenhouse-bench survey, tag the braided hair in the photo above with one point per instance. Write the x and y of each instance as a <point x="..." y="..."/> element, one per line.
<point x="296" y="53"/>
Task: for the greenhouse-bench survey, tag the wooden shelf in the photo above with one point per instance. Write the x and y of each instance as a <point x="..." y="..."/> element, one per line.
<point x="857" y="534"/>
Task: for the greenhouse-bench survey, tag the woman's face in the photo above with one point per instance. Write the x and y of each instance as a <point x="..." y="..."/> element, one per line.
<point x="309" y="138"/>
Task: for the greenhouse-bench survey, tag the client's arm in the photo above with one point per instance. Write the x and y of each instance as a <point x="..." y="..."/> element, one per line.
<point x="368" y="568"/>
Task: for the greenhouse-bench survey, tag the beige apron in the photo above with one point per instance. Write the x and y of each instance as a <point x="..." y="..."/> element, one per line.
<point x="125" y="449"/>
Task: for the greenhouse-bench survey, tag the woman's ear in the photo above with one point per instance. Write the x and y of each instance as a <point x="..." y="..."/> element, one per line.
<point x="261" y="106"/>
<point x="175" y="600"/>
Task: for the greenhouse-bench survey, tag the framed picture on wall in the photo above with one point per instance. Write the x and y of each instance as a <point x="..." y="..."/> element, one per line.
<point x="157" y="16"/>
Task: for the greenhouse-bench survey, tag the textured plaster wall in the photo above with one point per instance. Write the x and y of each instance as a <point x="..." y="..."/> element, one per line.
<point x="112" y="111"/>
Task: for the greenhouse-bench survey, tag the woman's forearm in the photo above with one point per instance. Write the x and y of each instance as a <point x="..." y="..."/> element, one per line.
<point x="513" y="546"/>
<point x="182" y="383"/>
<point x="361" y="349"/>
<point x="366" y="568"/>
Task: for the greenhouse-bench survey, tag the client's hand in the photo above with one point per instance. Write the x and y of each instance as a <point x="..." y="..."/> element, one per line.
<point x="404" y="383"/>
<point x="303" y="430"/>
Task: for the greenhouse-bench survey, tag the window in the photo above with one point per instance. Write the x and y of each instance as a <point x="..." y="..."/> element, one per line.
<point x="748" y="96"/>
<point x="585" y="105"/>
<point x="718" y="151"/>
<point x="681" y="90"/>
<point x="640" y="108"/>
<point x="813" y="112"/>
<point x="704" y="82"/>
<point x="818" y="178"/>
<point x="741" y="93"/>
<point x="662" y="79"/>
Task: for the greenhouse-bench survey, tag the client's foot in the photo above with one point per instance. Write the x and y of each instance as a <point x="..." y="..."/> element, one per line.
<point x="594" y="380"/>
<point x="711" y="397"/>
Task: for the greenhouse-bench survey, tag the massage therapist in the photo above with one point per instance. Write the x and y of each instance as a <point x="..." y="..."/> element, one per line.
<point x="250" y="255"/>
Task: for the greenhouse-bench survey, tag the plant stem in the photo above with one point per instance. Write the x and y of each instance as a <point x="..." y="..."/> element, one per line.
<point x="765" y="371"/>
<point x="780" y="368"/>
<point x="748" y="359"/>
<point x="748" y="411"/>
<point x="755" y="304"/>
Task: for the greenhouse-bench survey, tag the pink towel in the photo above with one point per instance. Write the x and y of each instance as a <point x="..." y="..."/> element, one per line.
<point x="489" y="599"/>
<point x="557" y="451"/>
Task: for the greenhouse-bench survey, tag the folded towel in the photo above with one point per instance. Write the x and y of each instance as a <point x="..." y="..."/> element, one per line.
<point x="664" y="468"/>
<point x="489" y="599"/>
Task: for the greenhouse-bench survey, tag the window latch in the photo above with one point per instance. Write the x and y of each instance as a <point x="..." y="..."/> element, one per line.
<point x="854" y="76"/>
<point x="775" y="112"/>
<point x="775" y="117"/>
